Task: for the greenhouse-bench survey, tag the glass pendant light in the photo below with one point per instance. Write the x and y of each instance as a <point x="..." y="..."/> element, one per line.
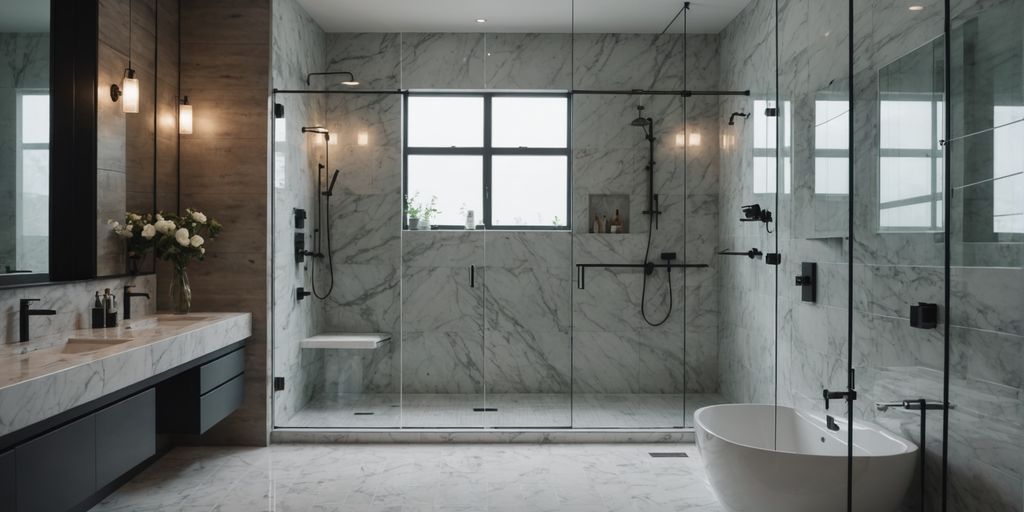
<point x="129" y="89"/>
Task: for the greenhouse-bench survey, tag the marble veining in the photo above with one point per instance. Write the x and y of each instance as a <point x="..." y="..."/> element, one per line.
<point x="46" y="377"/>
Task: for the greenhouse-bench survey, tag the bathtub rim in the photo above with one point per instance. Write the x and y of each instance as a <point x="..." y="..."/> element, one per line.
<point x="909" y="447"/>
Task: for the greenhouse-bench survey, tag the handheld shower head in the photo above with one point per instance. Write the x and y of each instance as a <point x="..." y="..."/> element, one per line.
<point x="334" y="179"/>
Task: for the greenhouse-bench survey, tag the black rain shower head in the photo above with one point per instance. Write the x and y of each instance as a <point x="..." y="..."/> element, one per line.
<point x="640" y="119"/>
<point x="737" y="114"/>
<point x="314" y="129"/>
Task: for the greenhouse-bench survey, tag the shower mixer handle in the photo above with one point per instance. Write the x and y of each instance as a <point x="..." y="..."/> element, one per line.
<point x="836" y="395"/>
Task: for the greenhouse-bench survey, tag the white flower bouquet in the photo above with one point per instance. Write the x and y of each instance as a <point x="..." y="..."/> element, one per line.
<point x="179" y="239"/>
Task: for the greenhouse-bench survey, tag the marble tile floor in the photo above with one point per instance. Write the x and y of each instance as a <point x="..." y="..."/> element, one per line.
<point x="535" y="410"/>
<point x="420" y="478"/>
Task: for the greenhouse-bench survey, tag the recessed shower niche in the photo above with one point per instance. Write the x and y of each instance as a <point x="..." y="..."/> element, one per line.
<point x="608" y="213"/>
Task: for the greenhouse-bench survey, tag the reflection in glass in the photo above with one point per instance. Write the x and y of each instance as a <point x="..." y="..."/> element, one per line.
<point x="33" y="181"/>
<point x="910" y="130"/>
<point x="765" y="167"/>
<point x="1008" y="170"/>
<point x="831" y="147"/>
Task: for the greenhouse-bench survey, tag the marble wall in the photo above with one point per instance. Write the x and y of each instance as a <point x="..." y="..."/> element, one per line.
<point x="25" y="64"/>
<point x="298" y="48"/>
<point x="72" y="301"/>
<point x="891" y="270"/>
<point x="514" y="333"/>
<point x="226" y="72"/>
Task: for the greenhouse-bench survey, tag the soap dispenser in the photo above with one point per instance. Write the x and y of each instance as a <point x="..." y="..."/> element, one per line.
<point x="110" y="308"/>
<point x="98" y="313"/>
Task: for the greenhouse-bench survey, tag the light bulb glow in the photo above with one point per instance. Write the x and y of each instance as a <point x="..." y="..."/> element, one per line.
<point x="332" y="138"/>
<point x="185" y="119"/>
<point x="130" y="94"/>
<point x="362" y="138"/>
<point x="680" y="139"/>
<point x="695" y="139"/>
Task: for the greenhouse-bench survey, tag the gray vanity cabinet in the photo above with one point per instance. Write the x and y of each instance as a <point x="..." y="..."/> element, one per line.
<point x="8" y="481"/>
<point x="125" y="436"/>
<point x="57" y="470"/>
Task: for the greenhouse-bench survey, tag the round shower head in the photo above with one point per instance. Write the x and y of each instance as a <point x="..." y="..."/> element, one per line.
<point x="640" y="119"/>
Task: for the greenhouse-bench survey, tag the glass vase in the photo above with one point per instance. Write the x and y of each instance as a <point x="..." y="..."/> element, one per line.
<point x="181" y="292"/>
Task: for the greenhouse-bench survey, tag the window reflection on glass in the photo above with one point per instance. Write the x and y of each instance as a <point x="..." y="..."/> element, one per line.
<point x="831" y="147"/>
<point x="765" y="141"/>
<point x="910" y="165"/>
<point x="33" y="181"/>
<point x="1008" y="170"/>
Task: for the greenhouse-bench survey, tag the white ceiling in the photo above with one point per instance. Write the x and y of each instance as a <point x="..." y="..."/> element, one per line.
<point x="24" y="16"/>
<point x="551" y="16"/>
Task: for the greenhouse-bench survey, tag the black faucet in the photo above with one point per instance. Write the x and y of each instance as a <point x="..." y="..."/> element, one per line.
<point x="126" y="300"/>
<point x="24" y="311"/>
<point x="835" y="395"/>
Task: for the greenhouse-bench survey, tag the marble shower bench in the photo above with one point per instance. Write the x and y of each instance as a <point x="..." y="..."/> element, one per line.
<point x="82" y="412"/>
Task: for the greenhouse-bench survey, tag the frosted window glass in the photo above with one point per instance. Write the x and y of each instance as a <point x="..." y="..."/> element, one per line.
<point x="529" y="190"/>
<point x="35" y="119"/>
<point x="446" y="122"/>
<point x="455" y="181"/>
<point x="529" y="122"/>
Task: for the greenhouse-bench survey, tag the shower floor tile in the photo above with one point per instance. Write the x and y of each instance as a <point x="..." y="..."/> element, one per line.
<point x="424" y="478"/>
<point x="535" y="410"/>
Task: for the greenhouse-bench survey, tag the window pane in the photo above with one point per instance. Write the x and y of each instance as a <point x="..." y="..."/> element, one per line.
<point x="832" y="125"/>
<point x="445" y="122"/>
<point x="831" y="176"/>
<point x="454" y="183"/>
<point x="35" y="119"/>
<point x="529" y="190"/>
<point x="529" y="122"/>
<point x="905" y="178"/>
<point x="906" y="124"/>
<point x="910" y="216"/>
<point x="35" y="172"/>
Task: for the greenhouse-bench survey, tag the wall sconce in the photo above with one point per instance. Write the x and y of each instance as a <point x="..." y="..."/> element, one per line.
<point x="185" y="117"/>
<point x="129" y="84"/>
<point x="695" y="139"/>
<point x="362" y="138"/>
<point x="680" y="139"/>
<point x="129" y="90"/>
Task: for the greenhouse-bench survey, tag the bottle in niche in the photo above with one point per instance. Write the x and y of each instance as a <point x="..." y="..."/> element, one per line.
<point x="616" y="226"/>
<point x="604" y="224"/>
<point x="597" y="224"/>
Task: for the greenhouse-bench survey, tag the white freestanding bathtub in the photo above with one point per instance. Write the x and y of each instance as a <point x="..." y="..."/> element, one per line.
<point x="806" y="470"/>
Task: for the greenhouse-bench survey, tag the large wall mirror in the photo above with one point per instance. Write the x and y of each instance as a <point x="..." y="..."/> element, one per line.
<point x="24" y="137"/>
<point x="109" y="152"/>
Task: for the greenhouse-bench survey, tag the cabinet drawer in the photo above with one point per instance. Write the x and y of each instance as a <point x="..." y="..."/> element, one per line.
<point x="221" y="370"/>
<point x="219" y="403"/>
<point x="125" y="436"/>
<point x="8" y="481"/>
<point x="57" y="471"/>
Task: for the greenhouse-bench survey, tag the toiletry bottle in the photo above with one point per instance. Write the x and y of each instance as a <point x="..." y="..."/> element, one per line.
<point x="604" y="224"/>
<point x="109" y="308"/>
<point x="596" y="228"/>
<point x="98" y="314"/>
<point x="470" y="220"/>
<point x="616" y="223"/>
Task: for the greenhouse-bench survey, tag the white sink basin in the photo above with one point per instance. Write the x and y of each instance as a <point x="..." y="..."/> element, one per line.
<point x="88" y="344"/>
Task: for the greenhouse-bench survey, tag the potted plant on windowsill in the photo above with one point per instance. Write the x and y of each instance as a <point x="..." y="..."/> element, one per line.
<point x="412" y="212"/>
<point x="427" y="212"/>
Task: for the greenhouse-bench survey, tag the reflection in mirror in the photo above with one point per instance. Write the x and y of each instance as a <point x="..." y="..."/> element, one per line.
<point x="987" y="167"/>
<point x="910" y="131"/>
<point x="24" y="137"/>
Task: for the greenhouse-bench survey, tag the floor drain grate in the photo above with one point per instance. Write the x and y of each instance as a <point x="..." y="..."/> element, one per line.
<point x="364" y="414"/>
<point x="485" y="409"/>
<point x="658" y="455"/>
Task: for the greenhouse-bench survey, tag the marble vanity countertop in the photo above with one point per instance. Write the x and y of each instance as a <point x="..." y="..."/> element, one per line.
<point x="45" y="377"/>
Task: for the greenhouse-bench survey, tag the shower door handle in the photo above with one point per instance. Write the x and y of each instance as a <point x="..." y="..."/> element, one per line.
<point x="472" y="276"/>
